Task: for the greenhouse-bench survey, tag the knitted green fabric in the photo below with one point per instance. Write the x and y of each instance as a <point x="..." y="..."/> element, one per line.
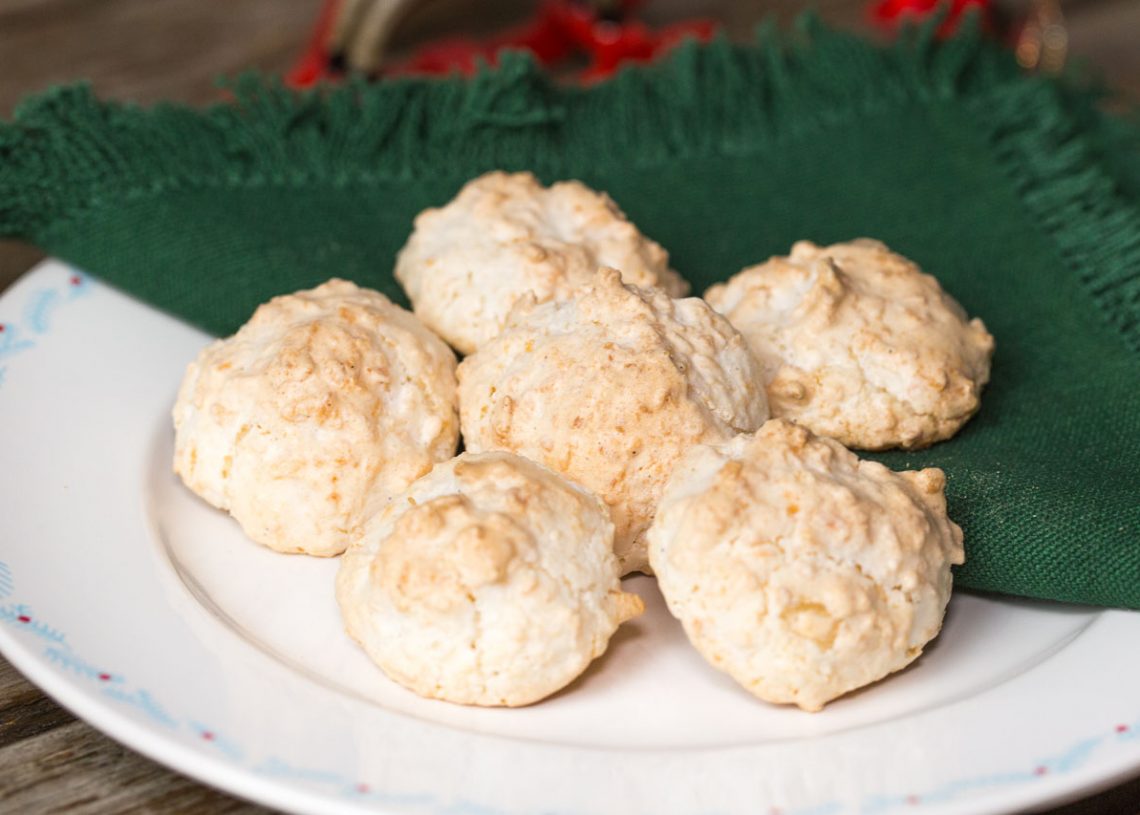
<point x="1001" y="185"/>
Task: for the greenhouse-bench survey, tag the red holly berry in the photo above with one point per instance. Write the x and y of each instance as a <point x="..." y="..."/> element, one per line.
<point x="891" y="13"/>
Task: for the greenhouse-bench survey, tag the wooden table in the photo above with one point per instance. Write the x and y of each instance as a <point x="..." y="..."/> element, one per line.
<point x="146" y="51"/>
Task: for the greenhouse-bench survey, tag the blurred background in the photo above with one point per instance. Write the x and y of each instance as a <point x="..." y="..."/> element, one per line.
<point x="150" y="50"/>
<point x="145" y="51"/>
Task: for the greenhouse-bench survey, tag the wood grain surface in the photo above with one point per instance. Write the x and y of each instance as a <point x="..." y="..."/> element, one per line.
<point x="147" y="50"/>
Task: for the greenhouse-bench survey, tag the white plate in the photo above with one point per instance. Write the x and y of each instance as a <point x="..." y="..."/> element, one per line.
<point x="148" y="614"/>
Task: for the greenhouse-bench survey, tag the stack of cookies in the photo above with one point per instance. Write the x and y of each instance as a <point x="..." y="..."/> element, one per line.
<point x="610" y="426"/>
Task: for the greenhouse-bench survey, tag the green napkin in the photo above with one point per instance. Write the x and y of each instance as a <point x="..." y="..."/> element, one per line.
<point x="1001" y="185"/>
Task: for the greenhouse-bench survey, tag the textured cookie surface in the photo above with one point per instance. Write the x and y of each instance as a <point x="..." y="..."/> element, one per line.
<point x="800" y="570"/>
<point x="323" y="400"/>
<point x="609" y="386"/>
<point x="504" y="235"/>
<point x="491" y="581"/>
<point x="860" y="345"/>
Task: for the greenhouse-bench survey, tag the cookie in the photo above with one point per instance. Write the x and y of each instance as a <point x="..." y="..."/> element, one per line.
<point x="505" y="235"/>
<point x="609" y="387"/>
<point x="323" y="401"/>
<point x="491" y="581"/>
<point x="800" y="570"/>
<point x="860" y="345"/>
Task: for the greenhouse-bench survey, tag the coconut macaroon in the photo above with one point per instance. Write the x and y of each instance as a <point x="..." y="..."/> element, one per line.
<point x="860" y="345"/>
<point x="491" y="581"/>
<point x="324" y="399"/>
<point x="609" y="387"/>
<point x="800" y="570"/>
<point x="504" y="235"/>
